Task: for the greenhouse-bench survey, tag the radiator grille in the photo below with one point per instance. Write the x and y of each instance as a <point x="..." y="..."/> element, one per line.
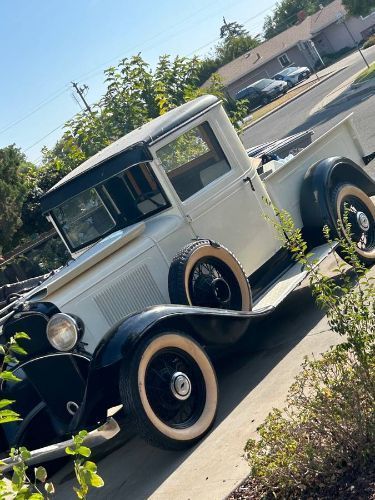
<point x="132" y="292"/>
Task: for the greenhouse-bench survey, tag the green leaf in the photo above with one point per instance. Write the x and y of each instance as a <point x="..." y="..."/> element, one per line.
<point x="34" y="496"/>
<point x="8" y="416"/>
<point x="40" y="474"/>
<point x="49" y="487"/>
<point x="2" y="350"/>
<point x="21" y="335"/>
<point x="90" y="466"/>
<point x="18" y="349"/>
<point x="84" y="451"/>
<point x="9" y="377"/>
<point x="70" y="451"/>
<point x="96" y="481"/>
<point x="25" y="454"/>
<point x="6" y="402"/>
<point x="10" y="359"/>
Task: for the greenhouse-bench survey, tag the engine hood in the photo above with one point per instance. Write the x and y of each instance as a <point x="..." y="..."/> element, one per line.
<point x="85" y="261"/>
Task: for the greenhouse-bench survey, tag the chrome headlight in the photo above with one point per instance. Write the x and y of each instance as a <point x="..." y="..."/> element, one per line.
<point x="63" y="332"/>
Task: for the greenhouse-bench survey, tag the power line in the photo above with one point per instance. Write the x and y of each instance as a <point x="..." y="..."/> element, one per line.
<point x="45" y="136"/>
<point x="33" y="111"/>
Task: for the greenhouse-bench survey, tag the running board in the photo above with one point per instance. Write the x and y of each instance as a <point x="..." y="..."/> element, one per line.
<point x="292" y="278"/>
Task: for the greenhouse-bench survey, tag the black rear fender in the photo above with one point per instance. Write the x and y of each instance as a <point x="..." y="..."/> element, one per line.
<point x="320" y="179"/>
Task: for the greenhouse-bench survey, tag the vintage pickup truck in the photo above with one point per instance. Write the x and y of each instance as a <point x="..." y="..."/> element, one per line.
<point x="173" y="258"/>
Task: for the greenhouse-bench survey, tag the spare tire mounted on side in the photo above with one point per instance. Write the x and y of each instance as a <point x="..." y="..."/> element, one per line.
<point x="206" y="274"/>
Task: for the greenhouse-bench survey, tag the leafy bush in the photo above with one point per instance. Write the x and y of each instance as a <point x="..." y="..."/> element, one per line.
<point x="327" y="429"/>
<point x="369" y="43"/>
<point x="329" y="59"/>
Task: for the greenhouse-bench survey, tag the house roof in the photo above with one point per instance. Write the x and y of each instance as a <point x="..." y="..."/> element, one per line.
<point x="277" y="45"/>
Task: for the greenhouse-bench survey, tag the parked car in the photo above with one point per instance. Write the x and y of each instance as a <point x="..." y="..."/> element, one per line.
<point x="262" y="92"/>
<point x="293" y="75"/>
<point x="173" y="260"/>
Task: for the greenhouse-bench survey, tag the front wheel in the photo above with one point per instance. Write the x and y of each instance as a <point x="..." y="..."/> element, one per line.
<point x="169" y="387"/>
<point x="349" y="199"/>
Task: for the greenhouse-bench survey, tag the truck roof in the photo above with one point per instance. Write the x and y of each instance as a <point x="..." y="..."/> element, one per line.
<point x="125" y="152"/>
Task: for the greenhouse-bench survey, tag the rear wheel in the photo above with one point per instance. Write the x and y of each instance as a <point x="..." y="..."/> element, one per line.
<point x="170" y="389"/>
<point x="349" y="199"/>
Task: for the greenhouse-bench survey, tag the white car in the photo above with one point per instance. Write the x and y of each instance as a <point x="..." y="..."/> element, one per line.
<point x="293" y="75"/>
<point x="173" y="259"/>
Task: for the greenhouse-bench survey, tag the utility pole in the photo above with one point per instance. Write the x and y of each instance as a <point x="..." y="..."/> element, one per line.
<point x="341" y="20"/>
<point x="80" y="91"/>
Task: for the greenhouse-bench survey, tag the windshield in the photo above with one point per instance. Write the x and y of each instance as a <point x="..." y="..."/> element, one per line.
<point x="287" y="71"/>
<point x="123" y="200"/>
<point x="84" y="218"/>
<point x="262" y="84"/>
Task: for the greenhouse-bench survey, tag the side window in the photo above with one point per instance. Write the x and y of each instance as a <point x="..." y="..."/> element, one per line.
<point x="193" y="160"/>
<point x="284" y="60"/>
<point x="136" y="193"/>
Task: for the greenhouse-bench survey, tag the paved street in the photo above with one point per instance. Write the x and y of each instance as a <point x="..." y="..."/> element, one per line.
<point x="295" y="116"/>
<point x="250" y="384"/>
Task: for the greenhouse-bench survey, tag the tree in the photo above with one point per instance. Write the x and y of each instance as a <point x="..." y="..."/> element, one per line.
<point x="14" y="175"/>
<point x="235" y="42"/>
<point x="231" y="30"/>
<point x="359" y="7"/>
<point x="286" y="14"/>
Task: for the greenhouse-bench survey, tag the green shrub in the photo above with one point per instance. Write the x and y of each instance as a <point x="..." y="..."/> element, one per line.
<point x="327" y="429"/>
<point x="329" y="59"/>
<point x="370" y="42"/>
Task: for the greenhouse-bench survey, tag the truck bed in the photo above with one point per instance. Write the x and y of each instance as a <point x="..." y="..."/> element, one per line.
<point x="283" y="182"/>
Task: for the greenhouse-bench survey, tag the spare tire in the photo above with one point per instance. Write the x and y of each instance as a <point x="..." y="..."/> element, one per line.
<point x="206" y="274"/>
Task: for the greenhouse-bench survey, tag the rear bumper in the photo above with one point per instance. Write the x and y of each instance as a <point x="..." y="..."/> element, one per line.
<point x="94" y="438"/>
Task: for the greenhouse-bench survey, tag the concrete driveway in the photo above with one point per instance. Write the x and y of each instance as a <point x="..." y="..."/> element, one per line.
<point x="250" y="385"/>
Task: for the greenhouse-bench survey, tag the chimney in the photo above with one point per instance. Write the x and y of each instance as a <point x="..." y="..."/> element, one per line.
<point x="301" y="15"/>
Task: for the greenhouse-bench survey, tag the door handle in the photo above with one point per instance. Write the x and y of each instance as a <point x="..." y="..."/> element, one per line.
<point x="247" y="179"/>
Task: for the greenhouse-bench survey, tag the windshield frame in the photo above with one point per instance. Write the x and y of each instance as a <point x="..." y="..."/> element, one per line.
<point x="115" y="212"/>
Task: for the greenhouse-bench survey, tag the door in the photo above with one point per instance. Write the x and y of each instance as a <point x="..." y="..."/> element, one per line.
<point x="216" y="201"/>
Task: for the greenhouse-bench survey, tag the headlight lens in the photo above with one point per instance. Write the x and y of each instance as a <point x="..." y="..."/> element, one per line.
<point x="62" y="332"/>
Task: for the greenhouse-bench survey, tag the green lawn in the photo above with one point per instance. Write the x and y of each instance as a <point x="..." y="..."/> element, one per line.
<point x="366" y="74"/>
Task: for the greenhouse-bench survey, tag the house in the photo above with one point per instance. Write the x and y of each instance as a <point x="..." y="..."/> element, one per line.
<point x="301" y="45"/>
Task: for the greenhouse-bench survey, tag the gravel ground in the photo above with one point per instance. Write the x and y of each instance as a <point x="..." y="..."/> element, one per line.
<point x="358" y="485"/>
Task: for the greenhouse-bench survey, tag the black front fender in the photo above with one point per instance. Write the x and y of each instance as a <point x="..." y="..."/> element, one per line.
<point x="319" y="181"/>
<point x="212" y="328"/>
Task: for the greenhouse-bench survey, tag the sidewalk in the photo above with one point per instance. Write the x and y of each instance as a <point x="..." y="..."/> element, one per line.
<point x="344" y="92"/>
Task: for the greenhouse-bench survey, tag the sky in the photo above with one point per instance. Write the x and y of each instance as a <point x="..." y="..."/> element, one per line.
<point x="47" y="44"/>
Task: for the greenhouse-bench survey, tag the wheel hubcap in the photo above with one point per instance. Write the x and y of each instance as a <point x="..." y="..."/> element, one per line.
<point x="362" y="221"/>
<point x="221" y="290"/>
<point x="180" y="386"/>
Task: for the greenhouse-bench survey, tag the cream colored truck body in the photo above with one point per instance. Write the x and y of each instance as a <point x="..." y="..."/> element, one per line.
<point x="128" y="270"/>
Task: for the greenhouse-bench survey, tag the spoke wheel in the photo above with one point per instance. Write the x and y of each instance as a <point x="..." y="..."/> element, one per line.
<point x="360" y="210"/>
<point x="175" y="388"/>
<point x="208" y="275"/>
<point x="169" y="387"/>
<point x="213" y="284"/>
